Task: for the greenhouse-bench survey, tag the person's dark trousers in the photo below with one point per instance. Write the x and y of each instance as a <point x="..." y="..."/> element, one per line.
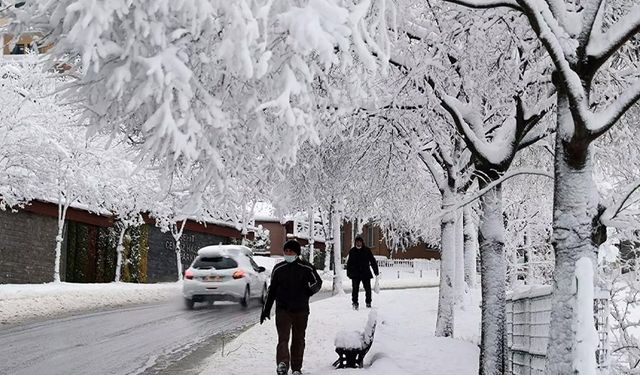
<point x="294" y="325"/>
<point x="355" y="288"/>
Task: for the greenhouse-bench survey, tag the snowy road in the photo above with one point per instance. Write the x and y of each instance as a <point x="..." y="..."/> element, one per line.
<point x="149" y="339"/>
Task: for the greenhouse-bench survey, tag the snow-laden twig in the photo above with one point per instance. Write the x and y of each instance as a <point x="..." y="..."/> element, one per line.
<point x="487" y="4"/>
<point x="602" y="45"/>
<point x="611" y="213"/>
<point x="604" y="120"/>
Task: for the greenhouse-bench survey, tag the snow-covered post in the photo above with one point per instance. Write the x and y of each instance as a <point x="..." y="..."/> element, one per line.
<point x="177" y="234"/>
<point x="337" y="248"/>
<point x="585" y="339"/>
<point x="470" y="247"/>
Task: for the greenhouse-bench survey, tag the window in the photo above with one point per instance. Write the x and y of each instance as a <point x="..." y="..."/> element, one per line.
<point x="370" y="236"/>
<point x="218" y="263"/>
<point x="19" y="49"/>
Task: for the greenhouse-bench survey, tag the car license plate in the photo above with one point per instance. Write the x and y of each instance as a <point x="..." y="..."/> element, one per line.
<point x="213" y="278"/>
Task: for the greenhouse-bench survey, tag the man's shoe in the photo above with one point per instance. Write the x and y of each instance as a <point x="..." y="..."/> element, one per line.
<point x="368" y="305"/>
<point x="282" y="369"/>
<point x="355" y="306"/>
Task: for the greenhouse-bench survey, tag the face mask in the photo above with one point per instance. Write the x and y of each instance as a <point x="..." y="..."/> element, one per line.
<point x="290" y="258"/>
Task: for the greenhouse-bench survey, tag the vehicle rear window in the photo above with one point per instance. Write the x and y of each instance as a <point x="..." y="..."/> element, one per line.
<point x="219" y="263"/>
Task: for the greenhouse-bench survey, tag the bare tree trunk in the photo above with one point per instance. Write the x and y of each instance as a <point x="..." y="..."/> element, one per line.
<point x="62" y="213"/>
<point x="59" y="239"/>
<point x="177" y="234"/>
<point x="120" y="251"/>
<point x="445" y="320"/>
<point x="470" y="247"/>
<point x="460" y="286"/>
<point x="493" y="271"/>
<point x="337" y="251"/>
<point x="311" y="235"/>
<point x="575" y="208"/>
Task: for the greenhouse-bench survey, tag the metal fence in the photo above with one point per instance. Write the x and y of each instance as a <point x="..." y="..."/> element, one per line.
<point x="527" y="329"/>
<point x="410" y="265"/>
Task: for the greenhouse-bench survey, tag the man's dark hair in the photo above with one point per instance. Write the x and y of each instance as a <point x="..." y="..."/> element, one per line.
<point x="292" y="245"/>
<point x="359" y="239"/>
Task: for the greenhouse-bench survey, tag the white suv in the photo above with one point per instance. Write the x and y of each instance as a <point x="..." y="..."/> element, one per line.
<point x="224" y="273"/>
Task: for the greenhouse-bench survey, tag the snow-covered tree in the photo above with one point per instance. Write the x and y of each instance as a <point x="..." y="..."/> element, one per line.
<point x="583" y="40"/>
<point x="231" y="86"/>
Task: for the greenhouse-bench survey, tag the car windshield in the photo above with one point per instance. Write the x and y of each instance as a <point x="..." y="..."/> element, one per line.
<point x="219" y="263"/>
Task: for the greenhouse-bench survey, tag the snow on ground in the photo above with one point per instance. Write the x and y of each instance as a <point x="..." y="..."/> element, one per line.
<point x="403" y="342"/>
<point x="21" y="302"/>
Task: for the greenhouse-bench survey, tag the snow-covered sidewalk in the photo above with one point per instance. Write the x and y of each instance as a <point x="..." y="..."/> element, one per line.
<point x="403" y="342"/>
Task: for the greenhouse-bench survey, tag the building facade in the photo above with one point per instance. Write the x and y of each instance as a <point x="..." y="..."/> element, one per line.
<point x="27" y="246"/>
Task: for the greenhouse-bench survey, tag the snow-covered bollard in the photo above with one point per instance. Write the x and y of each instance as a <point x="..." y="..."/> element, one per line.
<point x="352" y="346"/>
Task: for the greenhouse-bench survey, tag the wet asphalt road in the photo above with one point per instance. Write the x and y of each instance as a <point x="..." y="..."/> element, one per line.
<point x="147" y="339"/>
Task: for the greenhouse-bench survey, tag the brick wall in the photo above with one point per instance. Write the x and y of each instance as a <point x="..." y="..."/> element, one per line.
<point x="161" y="264"/>
<point x="27" y="247"/>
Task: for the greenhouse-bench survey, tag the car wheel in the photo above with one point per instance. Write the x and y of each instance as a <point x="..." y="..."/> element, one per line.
<point x="245" y="299"/>
<point x="263" y="297"/>
<point x="188" y="303"/>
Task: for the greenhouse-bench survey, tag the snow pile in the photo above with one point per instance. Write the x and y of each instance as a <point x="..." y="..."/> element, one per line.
<point x="348" y="339"/>
<point x="403" y="342"/>
<point x="20" y="302"/>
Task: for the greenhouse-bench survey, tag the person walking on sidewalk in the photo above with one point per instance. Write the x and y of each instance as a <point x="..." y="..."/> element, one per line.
<point x="292" y="283"/>
<point x="360" y="257"/>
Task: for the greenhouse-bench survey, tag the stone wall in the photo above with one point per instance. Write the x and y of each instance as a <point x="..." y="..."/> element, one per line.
<point x="27" y="247"/>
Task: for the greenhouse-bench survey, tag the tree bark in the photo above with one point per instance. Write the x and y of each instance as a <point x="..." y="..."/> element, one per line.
<point x="445" y="320"/>
<point x="470" y="247"/>
<point x="337" y="254"/>
<point x="493" y="278"/>
<point x="120" y="251"/>
<point x="575" y="207"/>
<point x="460" y="285"/>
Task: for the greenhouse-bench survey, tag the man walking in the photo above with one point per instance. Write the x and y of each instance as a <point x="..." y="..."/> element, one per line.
<point x="292" y="283"/>
<point x="360" y="257"/>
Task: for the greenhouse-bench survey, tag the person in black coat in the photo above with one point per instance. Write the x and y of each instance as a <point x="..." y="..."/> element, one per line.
<point x="292" y="283"/>
<point x="360" y="258"/>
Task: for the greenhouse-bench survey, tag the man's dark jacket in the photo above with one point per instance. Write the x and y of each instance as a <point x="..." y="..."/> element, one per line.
<point x="358" y="263"/>
<point x="291" y="286"/>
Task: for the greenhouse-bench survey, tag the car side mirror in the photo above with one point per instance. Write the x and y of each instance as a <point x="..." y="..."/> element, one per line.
<point x="261" y="269"/>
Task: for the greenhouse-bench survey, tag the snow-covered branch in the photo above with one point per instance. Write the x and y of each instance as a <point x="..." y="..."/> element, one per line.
<point x="486" y="4"/>
<point x="559" y="10"/>
<point x="589" y="13"/>
<point x="543" y="23"/>
<point x="499" y="181"/>
<point x="604" y="120"/>
<point x="437" y="172"/>
<point x="602" y="45"/>
<point x="609" y="215"/>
